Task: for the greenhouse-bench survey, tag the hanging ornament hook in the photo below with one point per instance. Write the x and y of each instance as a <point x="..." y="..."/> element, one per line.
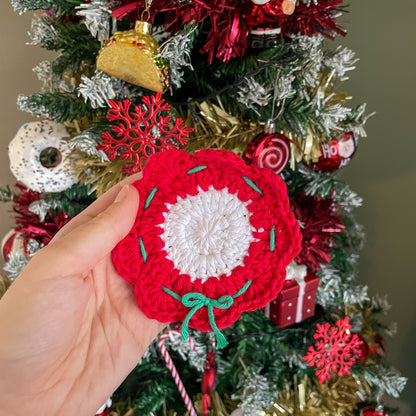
<point x="145" y="15"/>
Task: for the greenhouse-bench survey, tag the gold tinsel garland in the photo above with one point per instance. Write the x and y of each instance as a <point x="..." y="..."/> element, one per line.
<point x="101" y="175"/>
<point x="214" y="128"/>
<point x="4" y="285"/>
<point x="337" y="397"/>
<point x="307" y="148"/>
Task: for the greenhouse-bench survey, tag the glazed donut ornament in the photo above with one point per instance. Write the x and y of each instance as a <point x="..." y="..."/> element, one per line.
<point x="40" y="158"/>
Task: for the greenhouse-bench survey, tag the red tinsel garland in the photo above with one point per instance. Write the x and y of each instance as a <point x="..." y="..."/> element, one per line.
<point x="29" y="224"/>
<point x="227" y="28"/>
<point x="319" y="221"/>
<point x="227" y="22"/>
<point x="306" y="20"/>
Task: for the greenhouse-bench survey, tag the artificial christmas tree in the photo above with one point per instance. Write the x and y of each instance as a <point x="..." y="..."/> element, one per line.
<point x="233" y="67"/>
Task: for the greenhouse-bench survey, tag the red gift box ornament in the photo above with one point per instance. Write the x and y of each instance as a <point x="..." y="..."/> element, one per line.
<point x="296" y="301"/>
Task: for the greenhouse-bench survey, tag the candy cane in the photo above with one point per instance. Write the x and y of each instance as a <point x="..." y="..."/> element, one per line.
<point x="173" y="371"/>
<point x="104" y="410"/>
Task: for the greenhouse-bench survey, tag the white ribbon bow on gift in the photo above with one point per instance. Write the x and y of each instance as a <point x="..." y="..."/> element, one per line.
<point x="298" y="272"/>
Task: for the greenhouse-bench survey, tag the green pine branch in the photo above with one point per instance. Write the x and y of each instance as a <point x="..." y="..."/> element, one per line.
<point x="57" y="106"/>
<point x="72" y="200"/>
<point x="60" y="6"/>
<point x="72" y="39"/>
<point x="7" y="194"/>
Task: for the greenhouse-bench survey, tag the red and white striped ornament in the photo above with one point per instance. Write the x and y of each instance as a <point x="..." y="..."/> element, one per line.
<point x="173" y="371"/>
<point x="12" y="242"/>
<point x="269" y="149"/>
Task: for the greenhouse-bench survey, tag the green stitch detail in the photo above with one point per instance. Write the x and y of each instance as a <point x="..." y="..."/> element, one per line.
<point x="142" y="249"/>
<point x="149" y="198"/>
<point x="196" y="169"/>
<point x="197" y="301"/>
<point x="272" y="238"/>
<point x="252" y="184"/>
<point x="243" y="289"/>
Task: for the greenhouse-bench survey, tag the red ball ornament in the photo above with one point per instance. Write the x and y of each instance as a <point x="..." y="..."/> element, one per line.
<point x="372" y="411"/>
<point x="376" y="346"/>
<point x="12" y="243"/>
<point x="362" y="355"/>
<point x="269" y="150"/>
<point x="337" y="153"/>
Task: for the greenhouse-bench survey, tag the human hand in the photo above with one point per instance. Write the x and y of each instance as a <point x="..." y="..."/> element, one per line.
<point x="70" y="327"/>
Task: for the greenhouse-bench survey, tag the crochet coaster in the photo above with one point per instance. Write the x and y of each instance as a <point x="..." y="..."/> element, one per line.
<point x="212" y="239"/>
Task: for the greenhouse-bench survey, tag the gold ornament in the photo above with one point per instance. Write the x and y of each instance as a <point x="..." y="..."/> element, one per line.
<point x="130" y="56"/>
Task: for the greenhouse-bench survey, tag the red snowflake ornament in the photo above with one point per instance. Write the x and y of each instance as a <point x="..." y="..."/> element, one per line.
<point x="141" y="132"/>
<point x="336" y="351"/>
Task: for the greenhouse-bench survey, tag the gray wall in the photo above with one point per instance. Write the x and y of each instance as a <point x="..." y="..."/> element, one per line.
<point x="383" y="171"/>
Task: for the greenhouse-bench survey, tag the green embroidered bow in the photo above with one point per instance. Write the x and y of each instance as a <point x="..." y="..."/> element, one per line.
<point x="197" y="301"/>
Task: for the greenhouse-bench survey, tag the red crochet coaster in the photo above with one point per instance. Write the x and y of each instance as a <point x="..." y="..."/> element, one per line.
<point x="212" y="239"/>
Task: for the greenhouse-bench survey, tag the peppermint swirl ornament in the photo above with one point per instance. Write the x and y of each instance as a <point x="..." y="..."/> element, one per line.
<point x="40" y="158"/>
<point x="269" y="150"/>
<point x="212" y="239"/>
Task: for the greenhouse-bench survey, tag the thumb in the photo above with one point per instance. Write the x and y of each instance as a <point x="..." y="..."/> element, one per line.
<point x="87" y="244"/>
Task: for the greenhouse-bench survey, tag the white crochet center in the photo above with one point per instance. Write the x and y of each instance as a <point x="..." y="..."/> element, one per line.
<point x="207" y="235"/>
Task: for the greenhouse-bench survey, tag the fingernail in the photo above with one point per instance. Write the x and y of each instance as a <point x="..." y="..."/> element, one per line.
<point x="122" y="194"/>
